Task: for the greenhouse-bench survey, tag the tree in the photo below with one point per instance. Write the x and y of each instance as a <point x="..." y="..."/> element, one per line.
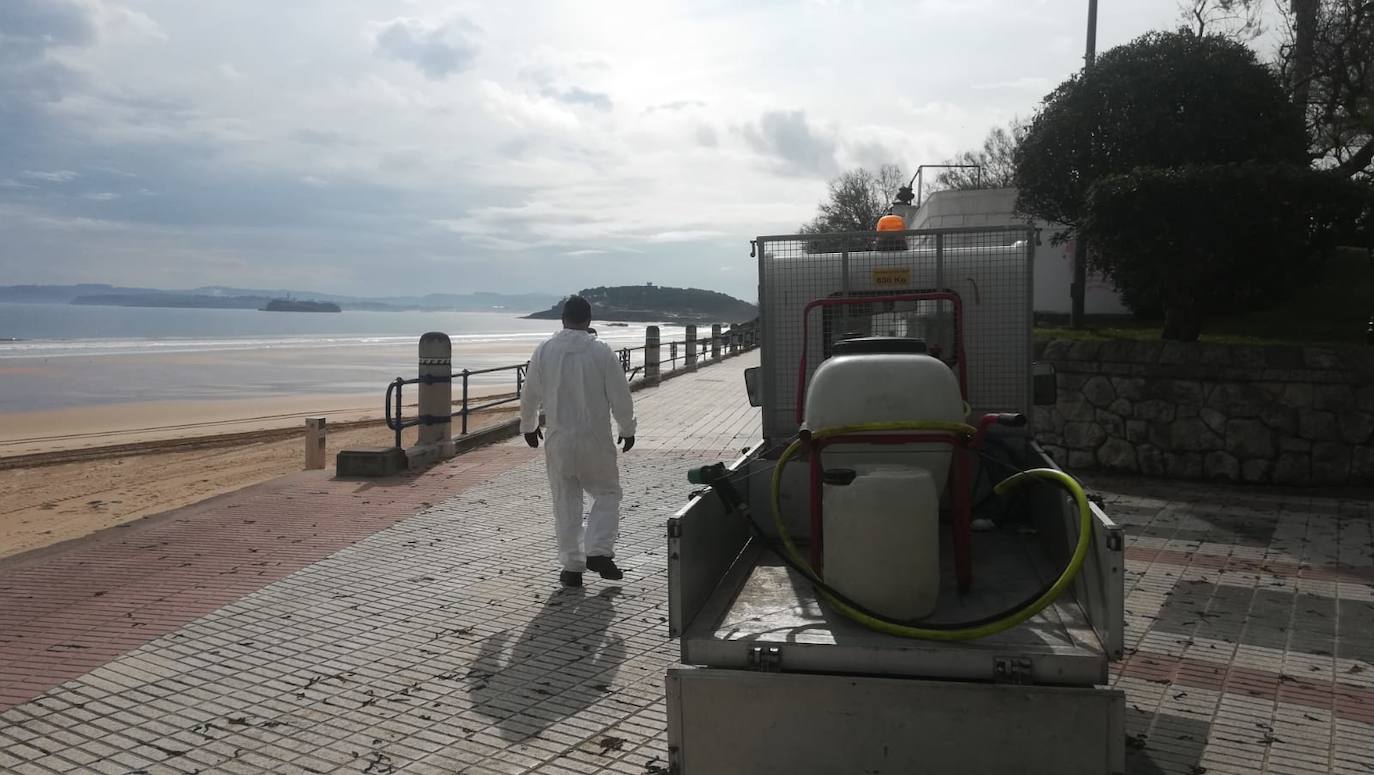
<point x="996" y="161"/>
<point x="1163" y="100"/>
<point x="1207" y="239"/>
<point x="857" y="199"/>
<point x="1327" y="61"/>
<point x="1238" y="20"/>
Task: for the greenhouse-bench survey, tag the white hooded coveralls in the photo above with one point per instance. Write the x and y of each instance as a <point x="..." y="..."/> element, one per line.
<point x="579" y="383"/>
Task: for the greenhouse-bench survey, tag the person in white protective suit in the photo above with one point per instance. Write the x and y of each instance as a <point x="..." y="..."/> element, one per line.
<point x="579" y="384"/>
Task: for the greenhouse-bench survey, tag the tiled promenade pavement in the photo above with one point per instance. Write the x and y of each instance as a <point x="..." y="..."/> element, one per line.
<point x="415" y="625"/>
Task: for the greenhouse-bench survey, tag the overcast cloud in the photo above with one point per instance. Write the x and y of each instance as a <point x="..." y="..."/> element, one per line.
<point x="377" y="146"/>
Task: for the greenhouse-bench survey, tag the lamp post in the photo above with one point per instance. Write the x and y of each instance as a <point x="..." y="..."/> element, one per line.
<point x="1078" y="289"/>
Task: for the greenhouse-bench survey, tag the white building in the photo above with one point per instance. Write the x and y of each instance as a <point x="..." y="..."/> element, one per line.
<point x="1053" y="263"/>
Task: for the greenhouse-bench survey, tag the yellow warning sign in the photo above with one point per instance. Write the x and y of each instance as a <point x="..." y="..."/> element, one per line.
<point x="892" y="278"/>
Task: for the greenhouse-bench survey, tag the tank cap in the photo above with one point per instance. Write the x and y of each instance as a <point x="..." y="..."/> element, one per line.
<point x="869" y="345"/>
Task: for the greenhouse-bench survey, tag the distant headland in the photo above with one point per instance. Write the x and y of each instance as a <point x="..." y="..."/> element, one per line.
<point x="657" y="304"/>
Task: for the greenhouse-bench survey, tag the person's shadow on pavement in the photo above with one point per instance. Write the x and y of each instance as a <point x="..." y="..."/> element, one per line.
<point x="563" y="662"/>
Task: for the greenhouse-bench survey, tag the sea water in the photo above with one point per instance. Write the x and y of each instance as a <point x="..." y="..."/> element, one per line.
<point x="58" y="355"/>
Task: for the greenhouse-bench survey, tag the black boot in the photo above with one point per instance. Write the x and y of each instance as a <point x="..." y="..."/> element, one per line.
<point x="570" y="578"/>
<point x="605" y="566"/>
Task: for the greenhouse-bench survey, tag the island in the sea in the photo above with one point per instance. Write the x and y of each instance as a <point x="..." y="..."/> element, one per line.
<point x="299" y="305"/>
<point x="657" y="304"/>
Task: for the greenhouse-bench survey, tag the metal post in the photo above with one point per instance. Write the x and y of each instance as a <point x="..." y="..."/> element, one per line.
<point x="651" y="355"/>
<point x="1078" y="289"/>
<point x="691" y="348"/>
<point x="715" y="342"/>
<point x="314" y="443"/>
<point x="465" y="402"/>
<point x="734" y="340"/>
<point x="672" y="354"/>
<point x="436" y="395"/>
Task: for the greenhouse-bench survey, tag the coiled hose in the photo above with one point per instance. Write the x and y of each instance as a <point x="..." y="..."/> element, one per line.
<point x="981" y="628"/>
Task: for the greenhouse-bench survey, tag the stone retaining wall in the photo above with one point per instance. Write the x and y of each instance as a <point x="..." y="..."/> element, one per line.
<point x="1287" y="415"/>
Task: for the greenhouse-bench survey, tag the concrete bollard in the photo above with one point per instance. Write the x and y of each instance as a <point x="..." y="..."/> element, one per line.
<point x="436" y="399"/>
<point x="734" y="340"/>
<point x="651" y="355"/>
<point x="715" y="342"/>
<point x="691" y="348"/>
<point x="314" y="443"/>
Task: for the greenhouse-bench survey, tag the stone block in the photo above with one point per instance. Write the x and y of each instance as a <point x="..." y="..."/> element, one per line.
<point x="1317" y="426"/>
<point x="1187" y="412"/>
<point x="1221" y="465"/>
<point x="1330" y="462"/>
<point x="1321" y="358"/>
<point x="1193" y="435"/>
<point x="1249" y="438"/>
<point x="1159" y="434"/>
<point x="1076" y="408"/>
<point x="1364" y="398"/>
<point x="1185" y="465"/>
<point x="370" y="462"/>
<point x="1356" y="427"/>
<point x="1214" y="419"/>
<point x="1179" y="352"/>
<point x="1257" y="471"/>
<point x="1057" y="350"/>
<point x="1155" y="410"/>
<point x="1045" y="420"/>
<point x="1137" y="431"/>
<point x="1117" y="454"/>
<point x="1056" y="452"/>
<point x="1112" y="424"/>
<point x="1121" y="408"/>
<point x="1215" y="354"/>
<point x="1133" y="388"/>
<point x="1333" y="398"/>
<point x="1099" y="392"/>
<point x="1280" y="418"/>
<point x="1151" y="460"/>
<point x="1249" y="357"/>
<point x="1362" y="465"/>
<point x="1071" y="383"/>
<point x="1297" y="395"/>
<point x="1293" y="444"/>
<point x="1179" y="391"/>
<point x="1079" y="460"/>
<point x="1292" y="468"/>
<point x="1239" y="400"/>
<point x="1084" y="351"/>
<point x="1285" y="357"/>
<point x="1083" y="435"/>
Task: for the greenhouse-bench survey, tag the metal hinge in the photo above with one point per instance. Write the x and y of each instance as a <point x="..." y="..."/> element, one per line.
<point x="767" y="659"/>
<point x="1011" y="670"/>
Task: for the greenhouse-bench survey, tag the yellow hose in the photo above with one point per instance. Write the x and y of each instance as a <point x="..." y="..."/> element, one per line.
<point x="1080" y="552"/>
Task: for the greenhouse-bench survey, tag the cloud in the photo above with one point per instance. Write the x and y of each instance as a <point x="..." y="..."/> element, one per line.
<point x="57" y="176"/>
<point x="103" y="196"/>
<point x="576" y="95"/>
<point x="675" y="106"/>
<point x="322" y="137"/>
<point x="787" y="136"/>
<point x="706" y="136"/>
<point x="1024" y="83"/>
<point x="438" y="50"/>
<point x="45" y="23"/>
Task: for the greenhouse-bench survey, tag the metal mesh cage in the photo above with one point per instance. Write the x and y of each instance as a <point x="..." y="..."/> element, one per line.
<point x="984" y="277"/>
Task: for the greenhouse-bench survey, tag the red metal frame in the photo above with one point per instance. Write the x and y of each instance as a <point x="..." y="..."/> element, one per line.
<point x="959" y="484"/>
<point x="840" y="301"/>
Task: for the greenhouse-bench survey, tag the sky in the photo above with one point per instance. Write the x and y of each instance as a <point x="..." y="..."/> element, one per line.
<point x="378" y="147"/>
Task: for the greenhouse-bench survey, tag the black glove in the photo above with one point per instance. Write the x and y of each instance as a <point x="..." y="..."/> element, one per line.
<point x="628" y="442"/>
<point x="532" y="439"/>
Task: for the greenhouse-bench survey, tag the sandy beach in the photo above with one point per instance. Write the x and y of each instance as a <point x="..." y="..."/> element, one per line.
<point x="67" y="473"/>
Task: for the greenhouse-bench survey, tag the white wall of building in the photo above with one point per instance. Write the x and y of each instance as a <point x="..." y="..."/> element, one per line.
<point x="1053" y="263"/>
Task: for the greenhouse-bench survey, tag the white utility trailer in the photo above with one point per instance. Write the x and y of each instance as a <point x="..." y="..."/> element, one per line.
<point x="774" y="679"/>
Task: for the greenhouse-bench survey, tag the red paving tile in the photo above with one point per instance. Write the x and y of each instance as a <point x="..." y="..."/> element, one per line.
<point x="1361" y="575"/>
<point x="73" y="607"/>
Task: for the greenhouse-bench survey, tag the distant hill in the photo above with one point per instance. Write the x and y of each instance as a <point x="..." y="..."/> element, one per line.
<point x="653" y="303"/>
<point x="220" y="297"/>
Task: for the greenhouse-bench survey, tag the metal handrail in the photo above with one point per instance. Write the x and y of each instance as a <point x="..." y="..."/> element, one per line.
<point x="728" y="343"/>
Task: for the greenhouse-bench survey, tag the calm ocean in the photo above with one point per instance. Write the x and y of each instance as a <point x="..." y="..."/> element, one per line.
<point x="69" y="355"/>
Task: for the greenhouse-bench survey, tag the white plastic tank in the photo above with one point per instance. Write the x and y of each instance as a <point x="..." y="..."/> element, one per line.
<point x="882" y="537"/>
<point x="884" y="379"/>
